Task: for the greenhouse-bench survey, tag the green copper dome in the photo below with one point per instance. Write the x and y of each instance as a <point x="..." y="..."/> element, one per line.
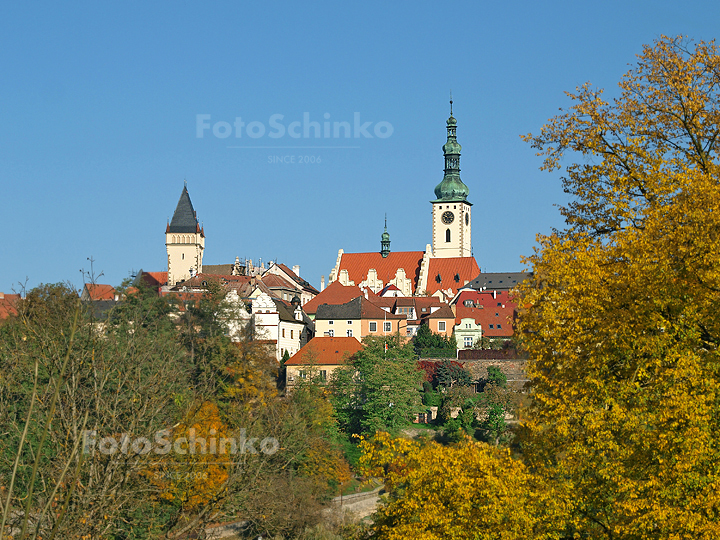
<point x="451" y="188"/>
<point x="385" y="241"/>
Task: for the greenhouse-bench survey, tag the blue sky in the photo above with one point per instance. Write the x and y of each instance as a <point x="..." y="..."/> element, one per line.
<point x="99" y="105"/>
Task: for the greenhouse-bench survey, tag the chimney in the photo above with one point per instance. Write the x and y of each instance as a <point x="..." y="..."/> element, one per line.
<point x="2" y="296"/>
<point x="322" y="283"/>
<point x="296" y="269"/>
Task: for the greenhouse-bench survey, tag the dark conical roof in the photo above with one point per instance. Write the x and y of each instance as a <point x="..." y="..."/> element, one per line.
<point x="184" y="219"/>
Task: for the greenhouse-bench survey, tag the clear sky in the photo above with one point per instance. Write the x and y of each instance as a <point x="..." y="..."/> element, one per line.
<point x="100" y="104"/>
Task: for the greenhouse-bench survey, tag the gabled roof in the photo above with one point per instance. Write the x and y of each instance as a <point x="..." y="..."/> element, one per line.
<point x="297" y="279"/>
<point x="483" y="310"/>
<point x="273" y="281"/>
<point x="325" y="351"/>
<point x="450" y="273"/>
<point x="388" y="289"/>
<point x="285" y="311"/>
<point x="334" y="294"/>
<point x="358" y="308"/>
<point x="97" y="291"/>
<point x="358" y="265"/>
<point x="499" y="281"/>
<point x="184" y="219"/>
<point x="445" y="312"/>
<point x="153" y="279"/>
<point x="373" y="311"/>
<point x="8" y="305"/>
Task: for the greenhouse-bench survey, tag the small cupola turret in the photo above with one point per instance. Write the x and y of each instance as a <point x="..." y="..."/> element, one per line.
<point x="385" y="241"/>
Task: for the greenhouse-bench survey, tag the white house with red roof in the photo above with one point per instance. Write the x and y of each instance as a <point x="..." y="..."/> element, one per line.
<point x="489" y="314"/>
<point x="444" y="266"/>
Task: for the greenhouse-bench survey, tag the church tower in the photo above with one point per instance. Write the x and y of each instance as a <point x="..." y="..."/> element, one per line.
<point x="451" y="234"/>
<point x="185" y="242"/>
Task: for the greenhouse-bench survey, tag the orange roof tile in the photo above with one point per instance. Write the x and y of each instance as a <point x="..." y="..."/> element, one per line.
<point x="325" y="351"/>
<point x="358" y="265"/>
<point x="8" y="305"/>
<point x="155" y="279"/>
<point x="97" y="291"/>
<point x="300" y="281"/>
<point x="451" y="273"/>
<point x="275" y="281"/>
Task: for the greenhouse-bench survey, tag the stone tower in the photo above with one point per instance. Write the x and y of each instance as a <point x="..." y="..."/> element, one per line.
<point x="451" y="233"/>
<point x="185" y="242"/>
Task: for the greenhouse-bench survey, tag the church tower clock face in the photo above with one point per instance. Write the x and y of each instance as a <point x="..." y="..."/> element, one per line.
<point x="448" y="217"/>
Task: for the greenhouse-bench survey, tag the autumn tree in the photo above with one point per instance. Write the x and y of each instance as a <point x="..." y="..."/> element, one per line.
<point x="69" y="381"/>
<point x="623" y="310"/>
<point x="465" y="491"/>
<point x="99" y="419"/>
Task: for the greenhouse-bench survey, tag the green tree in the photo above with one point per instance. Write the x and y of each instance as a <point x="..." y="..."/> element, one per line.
<point x="450" y="373"/>
<point x="622" y="323"/>
<point x="379" y="387"/>
<point x="428" y="343"/>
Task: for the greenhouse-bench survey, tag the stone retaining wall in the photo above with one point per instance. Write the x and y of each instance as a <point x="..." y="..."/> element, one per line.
<point x="514" y="369"/>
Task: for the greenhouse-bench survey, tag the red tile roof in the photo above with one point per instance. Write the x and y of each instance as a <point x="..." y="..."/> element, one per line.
<point x="8" y="305"/>
<point x="387" y="289"/>
<point x="300" y="281"/>
<point x="358" y="264"/>
<point x="325" y="351"/>
<point x="486" y="315"/>
<point x="155" y="279"/>
<point x="370" y="310"/>
<point x="336" y="294"/>
<point x="96" y="291"/>
<point x="465" y="268"/>
<point x="384" y="302"/>
<point x="275" y="281"/>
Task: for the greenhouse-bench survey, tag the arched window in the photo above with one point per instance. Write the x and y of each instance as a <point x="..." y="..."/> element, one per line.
<point x="447" y="235"/>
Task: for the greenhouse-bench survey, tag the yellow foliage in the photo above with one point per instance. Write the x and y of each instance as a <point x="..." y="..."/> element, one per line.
<point x="198" y="475"/>
<point x="467" y="491"/>
<point x="623" y="321"/>
<point x="251" y="372"/>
